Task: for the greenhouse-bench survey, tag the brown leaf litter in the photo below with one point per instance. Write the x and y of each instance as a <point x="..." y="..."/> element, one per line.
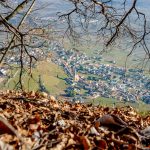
<point x="36" y="121"/>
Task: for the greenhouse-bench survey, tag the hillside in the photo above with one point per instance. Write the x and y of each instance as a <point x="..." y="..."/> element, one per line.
<point x="37" y="121"/>
<point x="44" y="71"/>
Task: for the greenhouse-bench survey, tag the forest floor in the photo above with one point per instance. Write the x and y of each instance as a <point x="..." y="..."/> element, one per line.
<point x="37" y="121"/>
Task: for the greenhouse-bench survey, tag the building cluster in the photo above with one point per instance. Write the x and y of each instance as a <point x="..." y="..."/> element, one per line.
<point x="87" y="77"/>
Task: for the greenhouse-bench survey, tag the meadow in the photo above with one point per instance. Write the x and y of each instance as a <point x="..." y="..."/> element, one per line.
<point x="51" y="76"/>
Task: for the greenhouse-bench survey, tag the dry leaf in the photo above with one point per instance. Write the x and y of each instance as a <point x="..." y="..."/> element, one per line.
<point x="4" y="129"/>
<point x="85" y="142"/>
<point x="101" y="144"/>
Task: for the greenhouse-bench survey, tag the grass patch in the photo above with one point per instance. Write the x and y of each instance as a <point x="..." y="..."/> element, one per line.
<point x="48" y="72"/>
<point x="140" y="107"/>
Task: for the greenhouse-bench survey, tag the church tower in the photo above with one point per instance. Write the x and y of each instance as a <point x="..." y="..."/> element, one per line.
<point x="76" y="76"/>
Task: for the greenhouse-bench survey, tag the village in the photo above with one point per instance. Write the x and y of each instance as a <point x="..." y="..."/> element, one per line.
<point x="100" y="80"/>
<point x="89" y="78"/>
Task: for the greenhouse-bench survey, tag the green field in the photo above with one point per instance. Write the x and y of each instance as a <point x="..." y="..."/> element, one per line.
<point x="140" y="107"/>
<point x="48" y="71"/>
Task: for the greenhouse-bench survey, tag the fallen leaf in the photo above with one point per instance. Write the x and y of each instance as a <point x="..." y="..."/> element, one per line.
<point x="85" y="142"/>
<point x="4" y="129"/>
<point x="101" y="144"/>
